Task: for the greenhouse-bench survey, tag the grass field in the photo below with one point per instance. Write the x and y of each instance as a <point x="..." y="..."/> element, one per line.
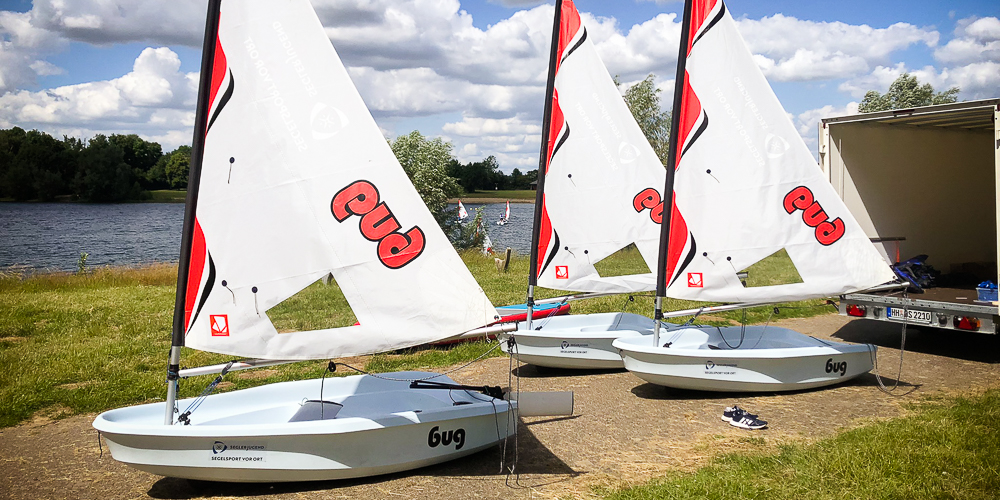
<point x="74" y="343"/>
<point x="499" y="195"/>
<point x="168" y="196"/>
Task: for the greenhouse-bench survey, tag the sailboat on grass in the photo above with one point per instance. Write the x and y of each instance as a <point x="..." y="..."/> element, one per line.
<point x="292" y="180"/>
<point x="594" y="160"/>
<point x="744" y="187"/>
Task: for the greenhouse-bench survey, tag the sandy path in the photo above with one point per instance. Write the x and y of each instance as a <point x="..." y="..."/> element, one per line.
<point x="624" y="430"/>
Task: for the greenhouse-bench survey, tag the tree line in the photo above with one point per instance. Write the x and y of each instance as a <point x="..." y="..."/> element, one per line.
<point x="107" y="168"/>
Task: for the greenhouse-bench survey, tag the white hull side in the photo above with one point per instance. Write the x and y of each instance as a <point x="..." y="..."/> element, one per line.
<point x="770" y="359"/>
<point x="246" y="436"/>
<point x="578" y="341"/>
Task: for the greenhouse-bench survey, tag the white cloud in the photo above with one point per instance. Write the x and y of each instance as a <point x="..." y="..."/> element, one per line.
<point x="790" y="49"/>
<point x="976" y="40"/>
<point x="154" y="100"/>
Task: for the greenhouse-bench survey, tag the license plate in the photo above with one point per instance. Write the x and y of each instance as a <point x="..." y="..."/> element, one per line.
<point x="913" y="316"/>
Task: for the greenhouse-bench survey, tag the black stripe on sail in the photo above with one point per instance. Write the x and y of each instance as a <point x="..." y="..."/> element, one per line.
<point x="713" y="22"/>
<point x="562" y="140"/>
<point x="687" y="260"/>
<point x="208" y="289"/>
<point x="222" y="102"/>
<point x="576" y="46"/>
<point x="552" y="253"/>
<point x="697" y="133"/>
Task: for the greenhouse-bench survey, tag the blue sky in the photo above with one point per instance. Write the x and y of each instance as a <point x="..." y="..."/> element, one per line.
<point x="89" y="66"/>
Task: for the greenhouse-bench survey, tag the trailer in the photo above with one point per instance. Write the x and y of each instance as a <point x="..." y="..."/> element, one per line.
<point x="923" y="181"/>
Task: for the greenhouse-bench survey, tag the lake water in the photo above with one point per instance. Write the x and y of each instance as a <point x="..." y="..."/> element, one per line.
<point x="51" y="236"/>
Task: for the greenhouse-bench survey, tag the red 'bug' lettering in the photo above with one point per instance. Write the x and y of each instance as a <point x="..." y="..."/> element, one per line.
<point x="378" y="223"/>
<point x="397" y="250"/>
<point x="649" y="198"/>
<point x="359" y="198"/>
<point x="813" y="215"/>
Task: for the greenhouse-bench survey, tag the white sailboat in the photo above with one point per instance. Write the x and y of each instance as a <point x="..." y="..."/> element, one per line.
<point x="745" y="187"/>
<point x="292" y="180"/>
<point x="506" y="215"/>
<point x="596" y="169"/>
<point x="462" y="213"/>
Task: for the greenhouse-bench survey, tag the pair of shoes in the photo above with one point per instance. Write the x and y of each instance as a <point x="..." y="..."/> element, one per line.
<point x="738" y="417"/>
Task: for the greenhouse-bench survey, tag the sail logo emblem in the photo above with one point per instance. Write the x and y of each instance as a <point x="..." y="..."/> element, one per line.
<point x="695" y="281"/>
<point x="827" y="231"/>
<point x="220" y="325"/>
<point x="219" y="447"/>
<point x="378" y="224"/>
<point x="562" y="272"/>
<point x="649" y="198"/>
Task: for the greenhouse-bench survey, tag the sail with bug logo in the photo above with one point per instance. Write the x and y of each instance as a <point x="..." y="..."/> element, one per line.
<point x="594" y="164"/>
<point x="746" y="186"/>
<point x="297" y="183"/>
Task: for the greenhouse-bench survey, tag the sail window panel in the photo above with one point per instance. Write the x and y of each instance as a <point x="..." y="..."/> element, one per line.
<point x="318" y="306"/>
<point x="775" y="269"/>
<point x="625" y="262"/>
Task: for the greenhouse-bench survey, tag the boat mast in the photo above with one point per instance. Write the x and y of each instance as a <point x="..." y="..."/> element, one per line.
<point x="194" y="178"/>
<point x="543" y="162"/>
<point x="668" y="189"/>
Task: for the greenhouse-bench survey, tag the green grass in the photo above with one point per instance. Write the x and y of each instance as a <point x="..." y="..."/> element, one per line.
<point x="521" y="194"/>
<point x="943" y="449"/>
<point x="74" y="343"/>
<point x="168" y="195"/>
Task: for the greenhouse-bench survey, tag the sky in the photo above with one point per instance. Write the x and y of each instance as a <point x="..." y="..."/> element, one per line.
<point x="473" y="71"/>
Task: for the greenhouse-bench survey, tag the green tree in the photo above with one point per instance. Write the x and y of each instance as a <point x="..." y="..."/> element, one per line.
<point x="906" y="92"/>
<point x="35" y="172"/>
<point x="176" y="168"/>
<point x="425" y="162"/>
<point x="643" y="100"/>
<point x="139" y="154"/>
<point x="103" y="175"/>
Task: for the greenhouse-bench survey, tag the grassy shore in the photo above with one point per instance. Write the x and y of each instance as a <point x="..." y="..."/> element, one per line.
<point x="74" y="343"/>
<point x="527" y="196"/>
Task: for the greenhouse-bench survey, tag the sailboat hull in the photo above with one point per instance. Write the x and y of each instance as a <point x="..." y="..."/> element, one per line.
<point x="769" y="359"/>
<point x="255" y="435"/>
<point x="578" y="341"/>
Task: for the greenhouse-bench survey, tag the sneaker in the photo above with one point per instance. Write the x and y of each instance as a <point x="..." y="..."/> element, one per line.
<point x="735" y="413"/>
<point x="747" y="421"/>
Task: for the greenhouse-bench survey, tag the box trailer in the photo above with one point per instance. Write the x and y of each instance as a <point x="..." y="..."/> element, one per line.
<point x="923" y="181"/>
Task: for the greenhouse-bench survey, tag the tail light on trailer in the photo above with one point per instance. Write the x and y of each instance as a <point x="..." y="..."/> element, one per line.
<point x="857" y="311"/>
<point x="967" y="323"/>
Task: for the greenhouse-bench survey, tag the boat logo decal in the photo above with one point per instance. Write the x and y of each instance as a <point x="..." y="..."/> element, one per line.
<point x="238" y="452"/>
<point x="827" y="231"/>
<point x="709" y="365"/>
<point x="832" y="367"/>
<point x="562" y="272"/>
<point x="695" y="280"/>
<point x="649" y="198"/>
<point x="378" y="224"/>
<point x="446" y="438"/>
<point x="220" y="325"/>
<point x="219" y="447"/>
<point x="713" y="368"/>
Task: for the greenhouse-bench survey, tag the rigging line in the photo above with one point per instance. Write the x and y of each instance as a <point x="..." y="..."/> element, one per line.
<point x="392" y="379"/>
<point x="902" y="348"/>
<point x="185" y="417"/>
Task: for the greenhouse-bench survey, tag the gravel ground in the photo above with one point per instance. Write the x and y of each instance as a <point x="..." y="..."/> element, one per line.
<point x="624" y="430"/>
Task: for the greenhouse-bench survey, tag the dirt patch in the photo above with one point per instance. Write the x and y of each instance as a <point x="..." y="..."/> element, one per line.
<point x="256" y="374"/>
<point x="624" y="431"/>
<point x="77" y="385"/>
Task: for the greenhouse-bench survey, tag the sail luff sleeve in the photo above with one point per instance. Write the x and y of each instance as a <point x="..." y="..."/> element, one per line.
<point x="543" y="155"/>
<point x="671" y="166"/>
<point x="194" y="174"/>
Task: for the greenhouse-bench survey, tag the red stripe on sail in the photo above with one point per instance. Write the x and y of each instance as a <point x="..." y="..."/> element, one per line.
<point x="544" y="238"/>
<point x="569" y="24"/>
<point x="196" y="269"/>
<point x="699" y="13"/>
<point x="219" y="66"/>
<point x="678" y="239"/>
<point x="690" y="112"/>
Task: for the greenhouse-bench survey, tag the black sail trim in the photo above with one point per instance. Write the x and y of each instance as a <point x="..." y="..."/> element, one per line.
<point x="208" y="289"/>
<point x="715" y="20"/>
<point x="222" y="102"/>
<point x="697" y="133"/>
<point x="552" y="254"/>
<point x="687" y="260"/>
<point x="575" y="46"/>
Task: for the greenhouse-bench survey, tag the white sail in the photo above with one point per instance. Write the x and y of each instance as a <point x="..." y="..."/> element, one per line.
<point x="598" y="162"/>
<point x="506" y="212"/>
<point x="747" y="186"/>
<point x="298" y="182"/>
<point x="462" y="213"/>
